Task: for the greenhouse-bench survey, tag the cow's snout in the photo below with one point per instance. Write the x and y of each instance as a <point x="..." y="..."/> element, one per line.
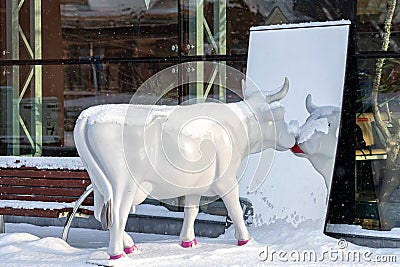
<point x="296" y="149"/>
<point x="286" y="140"/>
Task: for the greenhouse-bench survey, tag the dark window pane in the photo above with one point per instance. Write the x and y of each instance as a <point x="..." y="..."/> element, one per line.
<point x="377" y="167"/>
<point x="66" y="91"/>
<point x="371" y="16"/>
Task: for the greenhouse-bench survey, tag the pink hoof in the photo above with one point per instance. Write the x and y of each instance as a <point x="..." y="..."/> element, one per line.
<point x="116" y="257"/>
<point x="242" y="242"/>
<point x="189" y="244"/>
<point x="130" y="250"/>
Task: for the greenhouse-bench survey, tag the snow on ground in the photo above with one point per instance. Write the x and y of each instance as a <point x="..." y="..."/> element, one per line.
<point x="288" y="231"/>
<point x="277" y="244"/>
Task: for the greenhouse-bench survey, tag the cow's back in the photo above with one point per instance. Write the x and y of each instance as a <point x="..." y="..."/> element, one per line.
<point x="178" y="150"/>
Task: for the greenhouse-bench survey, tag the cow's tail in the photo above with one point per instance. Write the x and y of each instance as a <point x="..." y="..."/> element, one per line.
<point x="102" y="187"/>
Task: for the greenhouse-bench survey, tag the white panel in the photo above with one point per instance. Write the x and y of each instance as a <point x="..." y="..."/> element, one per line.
<point x="313" y="57"/>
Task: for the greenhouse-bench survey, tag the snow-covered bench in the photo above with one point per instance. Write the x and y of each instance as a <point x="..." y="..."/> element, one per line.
<point x="44" y="187"/>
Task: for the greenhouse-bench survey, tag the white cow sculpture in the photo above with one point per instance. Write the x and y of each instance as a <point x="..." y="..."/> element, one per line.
<point x="133" y="152"/>
<point x="316" y="139"/>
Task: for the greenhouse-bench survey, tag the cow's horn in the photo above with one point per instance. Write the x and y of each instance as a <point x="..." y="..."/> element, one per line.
<point x="280" y="94"/>
<point x="309" y="105"/>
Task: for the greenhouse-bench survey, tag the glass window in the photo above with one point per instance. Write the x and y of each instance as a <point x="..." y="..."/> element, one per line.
<point x="90" y="29"/>
<point x="124" y="29"/>
<point x="373" y="195"/>
<point x="371" y="16"/>
<point x="66" y="90"/>
<point x="377" y="145"/>
<point x="80" y="53"/>
<point x="206" y="25"/>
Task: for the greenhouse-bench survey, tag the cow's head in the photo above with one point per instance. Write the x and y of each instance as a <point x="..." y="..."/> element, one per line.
<point x="318" y="135"/>
<point x="316" y="139"/>
<point x="269" y="114"/>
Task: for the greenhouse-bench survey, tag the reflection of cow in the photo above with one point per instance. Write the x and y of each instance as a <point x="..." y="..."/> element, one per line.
<point x="317" y="138"/>
<point x="133" y="152"/>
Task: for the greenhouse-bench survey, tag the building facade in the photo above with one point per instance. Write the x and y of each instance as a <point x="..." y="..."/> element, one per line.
<point x="59" y="57"/>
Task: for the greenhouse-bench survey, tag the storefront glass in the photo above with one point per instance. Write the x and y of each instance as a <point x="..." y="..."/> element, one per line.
<point x="371" y="17"/>
<point x="361" y="207"/>
<point x="61" y="56"/>
<point x="377" y="147"/>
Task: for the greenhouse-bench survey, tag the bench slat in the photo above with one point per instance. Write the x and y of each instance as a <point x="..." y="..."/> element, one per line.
<point x="88" y="201"/>
<point x="35" y="212"/>
<point x="48" y="191"/>
<point x="48" y="174"/>
<point x="18" y="181"/>
<point x="44" y="185"/>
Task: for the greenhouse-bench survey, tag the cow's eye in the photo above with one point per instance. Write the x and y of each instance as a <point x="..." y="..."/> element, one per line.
<point x="329" y="124"/>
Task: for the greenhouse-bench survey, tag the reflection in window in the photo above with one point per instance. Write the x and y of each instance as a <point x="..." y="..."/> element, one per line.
<point x="107" y="49"/>
<point x="371" y="17"/>
<point x="119" y="29"/>
<point x="378" y="118"/>
<point x="377" y="154"/>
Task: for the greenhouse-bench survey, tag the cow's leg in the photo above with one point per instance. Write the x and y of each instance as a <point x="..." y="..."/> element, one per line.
<point x="129" y="245"/>
<point x="121" y="205"/>
<point x="191" y="210"/>
<point x="139" y="196"/>
<point x="231" y="201"/>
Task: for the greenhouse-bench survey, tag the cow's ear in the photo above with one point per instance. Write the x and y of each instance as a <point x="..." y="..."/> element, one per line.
<point x="243" y="83"/>
<point x="250" y="91"/>
<point x="245" y="93"/>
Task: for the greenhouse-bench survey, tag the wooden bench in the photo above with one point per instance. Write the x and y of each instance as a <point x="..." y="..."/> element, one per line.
<point x="44" y="187"/>
<point x="60" y="187"/>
